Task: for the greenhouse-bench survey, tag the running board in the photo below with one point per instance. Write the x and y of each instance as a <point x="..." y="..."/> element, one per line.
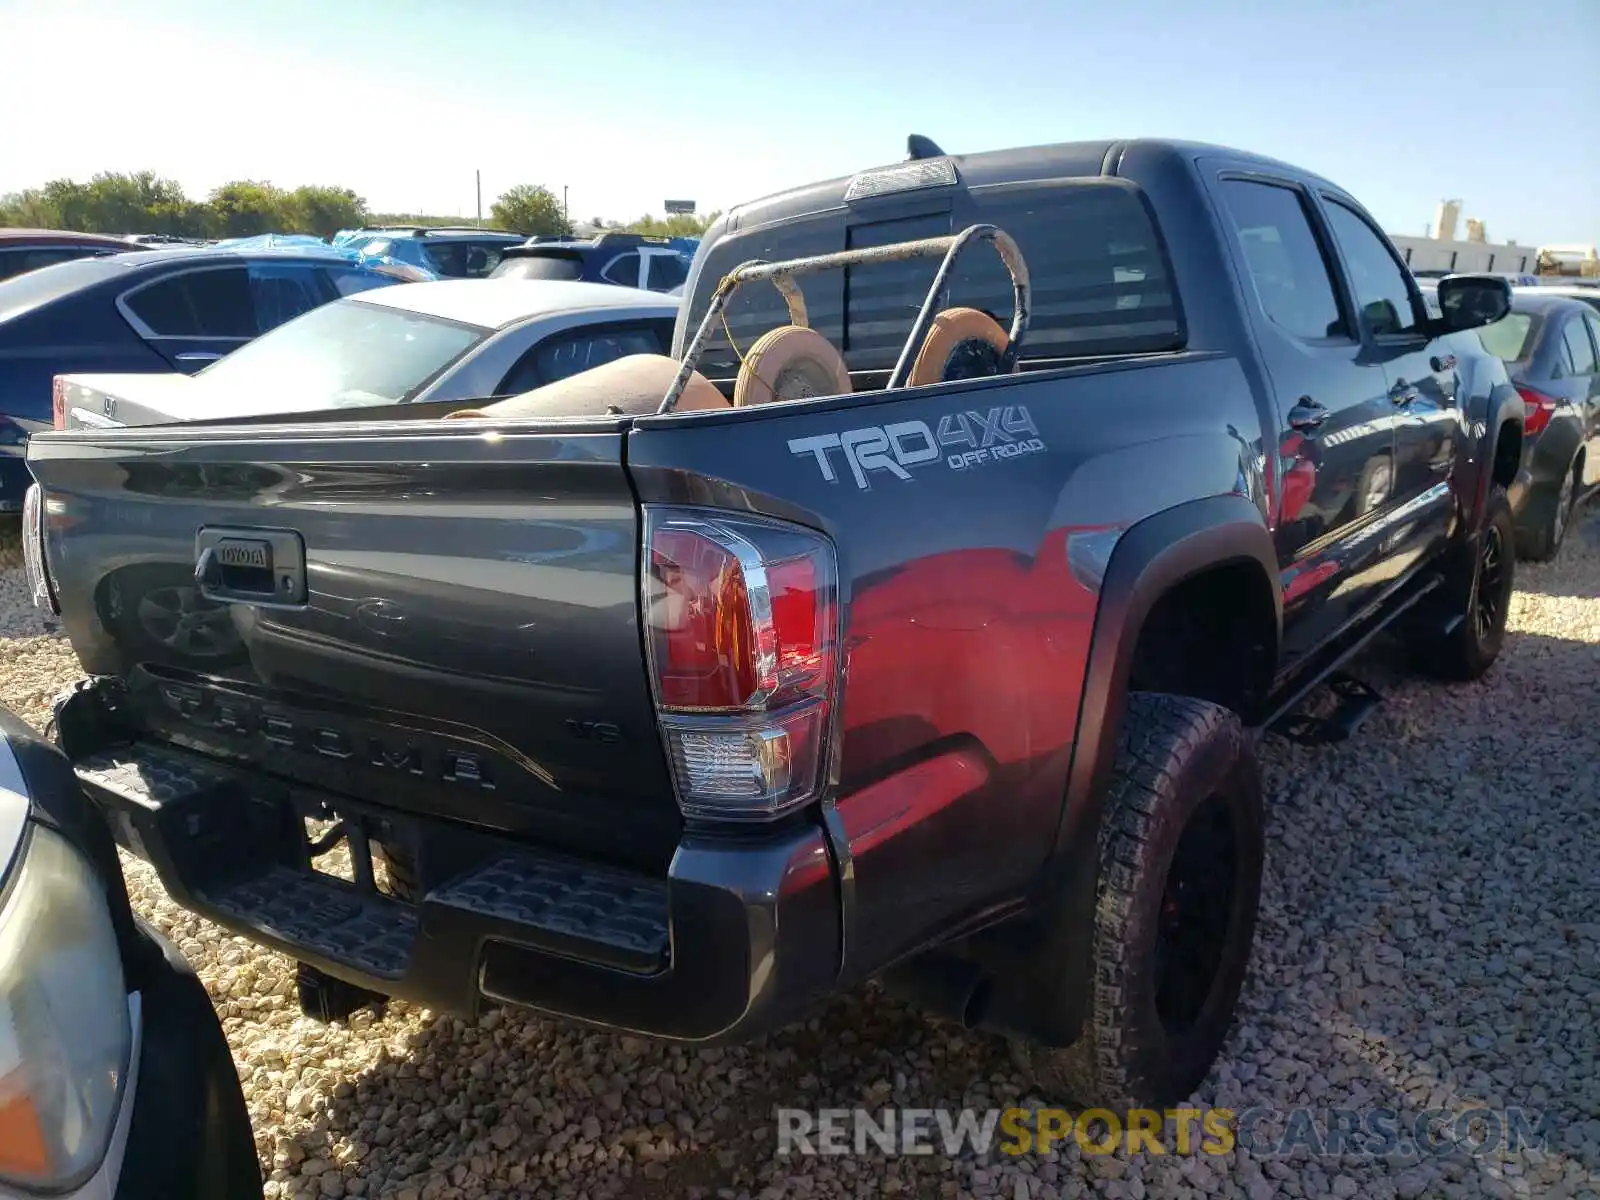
<point x="1357" y="700"/>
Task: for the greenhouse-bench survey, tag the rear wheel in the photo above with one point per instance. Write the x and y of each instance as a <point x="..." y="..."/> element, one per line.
<point x="1181" y="851"/>
<point x="1541" y="539"/>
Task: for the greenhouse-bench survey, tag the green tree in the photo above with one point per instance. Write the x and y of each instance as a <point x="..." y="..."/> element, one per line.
<point x="322" y="210"/>
<point x="245" y="208"/>
<point x="677" y="225"/>
<point x="530" y="209"/>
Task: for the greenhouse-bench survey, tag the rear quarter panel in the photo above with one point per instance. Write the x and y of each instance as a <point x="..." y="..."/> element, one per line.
<point x="79" y="332"/>
<point x="969" y="576"/>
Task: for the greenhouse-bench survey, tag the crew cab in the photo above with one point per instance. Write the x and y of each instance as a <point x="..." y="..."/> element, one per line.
<point x="914" y="618"/>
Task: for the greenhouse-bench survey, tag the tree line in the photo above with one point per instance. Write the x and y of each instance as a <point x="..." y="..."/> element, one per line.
<point x="143" y="202"/>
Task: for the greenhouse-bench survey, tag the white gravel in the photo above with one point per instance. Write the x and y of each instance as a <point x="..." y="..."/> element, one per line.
<point x="1429" y="939"/>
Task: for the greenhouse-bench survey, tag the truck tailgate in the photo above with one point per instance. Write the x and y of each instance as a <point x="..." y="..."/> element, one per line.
<point x="438" y="619"/>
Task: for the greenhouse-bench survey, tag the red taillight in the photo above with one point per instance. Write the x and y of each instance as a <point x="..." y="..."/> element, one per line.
<point x="1537" y="409"/>
<point x="58" y="402"/>
<point x="742" y="622"/>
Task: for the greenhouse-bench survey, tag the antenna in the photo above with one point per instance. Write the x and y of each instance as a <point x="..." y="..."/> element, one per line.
<point x="918" y="146"/>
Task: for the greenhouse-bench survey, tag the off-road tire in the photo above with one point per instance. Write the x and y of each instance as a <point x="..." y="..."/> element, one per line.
<point x="1177" y="759"/>
<point x="1540" y="541"/>
<point x="325" y="998"/>
<point x="1472" y="582"/>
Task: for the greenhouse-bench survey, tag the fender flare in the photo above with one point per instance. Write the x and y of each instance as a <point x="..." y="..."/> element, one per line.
<point x="1503" y="409"/>
<point x="1048" y="999"/>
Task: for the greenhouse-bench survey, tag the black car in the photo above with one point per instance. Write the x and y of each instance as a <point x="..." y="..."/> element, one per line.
<point x="164" y="310"/>
<point x="1551" y="346"/>
<point x="116" y="1083"/>
<point x="626" y="259"/>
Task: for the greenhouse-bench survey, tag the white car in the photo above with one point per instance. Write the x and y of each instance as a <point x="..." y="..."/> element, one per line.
<point x="415" y="344"/>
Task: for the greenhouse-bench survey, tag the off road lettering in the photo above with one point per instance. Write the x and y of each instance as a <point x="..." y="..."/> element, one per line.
<point x="980" y="437"/>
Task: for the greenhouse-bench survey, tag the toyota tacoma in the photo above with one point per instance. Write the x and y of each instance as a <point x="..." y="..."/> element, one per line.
<point x="916" y="619"/>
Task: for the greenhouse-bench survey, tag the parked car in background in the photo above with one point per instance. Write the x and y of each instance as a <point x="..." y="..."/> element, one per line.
<point x="451" y="253"/>
<point x="625" y="259"/>
<point x="423" y="344"/>
<point x="120" y="1046"/>
<point x="1586" y="293"/>
<point x="29" y="249"/>
<point x="1550" y="344"/>
<point x="173" y="309"/>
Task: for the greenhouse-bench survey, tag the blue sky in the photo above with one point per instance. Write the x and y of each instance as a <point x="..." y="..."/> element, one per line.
<point x="628" y="103"/>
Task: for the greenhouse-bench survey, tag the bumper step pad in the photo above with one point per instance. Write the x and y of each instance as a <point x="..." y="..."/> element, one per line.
<point x="571" y="901"/>
<point x="208" y="827"/>
<point x="326" y="916"/>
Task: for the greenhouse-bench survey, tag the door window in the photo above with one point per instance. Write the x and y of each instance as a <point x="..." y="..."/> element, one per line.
<point x="214" y="303"/>
<point x="282" y="291"/>
<point x="347" y="283"/>
<point x="1383" y="293"/>
<point x="1579" y="349"/>
<point x="623" y="270"/>
<point x="667" y="271"/>
<point x="564" y="354"/>
<point x="1286" y="263"/>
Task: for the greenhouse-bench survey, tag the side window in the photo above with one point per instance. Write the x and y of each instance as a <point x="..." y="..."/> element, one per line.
<point x="347" y="283"/>
<point x="1579" y="348"/>
<point x="1382" y="292"/>
<point x="1286" y="262"/>
<point x="282" y="291"/>
<point x="200" y="304"/>
<point x="1593" y="323"/>
<point x="667" y="271"/>
<point x="564" y="354"/>
<point x="623" y="270"/>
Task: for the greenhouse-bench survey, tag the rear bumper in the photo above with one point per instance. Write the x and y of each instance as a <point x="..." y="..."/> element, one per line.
<point x="739" y="937"/>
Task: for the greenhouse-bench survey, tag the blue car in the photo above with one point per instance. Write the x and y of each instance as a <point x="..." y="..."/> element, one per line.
<point x="145" y="311"/>
<point x="633" y="260"/>
<point x="446" y="253"/>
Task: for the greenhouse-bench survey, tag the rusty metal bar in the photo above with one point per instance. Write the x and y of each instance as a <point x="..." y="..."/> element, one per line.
<point x="1021" y="298"/>
<point x="782" y="276"/>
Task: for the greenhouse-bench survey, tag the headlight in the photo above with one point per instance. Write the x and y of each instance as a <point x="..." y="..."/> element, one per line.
<point x="64" y="1029"/>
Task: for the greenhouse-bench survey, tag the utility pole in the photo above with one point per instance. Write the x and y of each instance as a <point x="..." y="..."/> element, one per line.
<point x="478" y="178"/>
<point x="564" y="214"/>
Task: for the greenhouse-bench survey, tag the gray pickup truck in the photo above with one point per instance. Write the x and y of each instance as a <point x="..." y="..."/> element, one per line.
<point x="916" y="619"/>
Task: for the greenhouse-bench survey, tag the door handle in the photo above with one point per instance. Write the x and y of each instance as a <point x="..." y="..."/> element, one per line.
<point x="1306" y="415"/>
<point x="199" y="356"/>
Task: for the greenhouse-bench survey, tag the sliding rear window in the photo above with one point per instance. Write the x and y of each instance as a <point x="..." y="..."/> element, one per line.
<point x="1101" y="284"/>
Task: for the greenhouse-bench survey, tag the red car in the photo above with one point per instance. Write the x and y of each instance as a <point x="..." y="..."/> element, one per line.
<point x="25" y="249"/>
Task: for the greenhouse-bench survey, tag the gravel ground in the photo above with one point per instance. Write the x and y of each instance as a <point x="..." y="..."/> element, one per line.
<point x="1429" y="940"/>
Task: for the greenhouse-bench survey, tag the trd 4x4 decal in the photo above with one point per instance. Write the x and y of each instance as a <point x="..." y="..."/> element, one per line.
<point x="964" y="440"/>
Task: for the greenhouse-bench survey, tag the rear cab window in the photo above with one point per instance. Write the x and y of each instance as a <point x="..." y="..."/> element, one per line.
<point x="1099" y="273"/>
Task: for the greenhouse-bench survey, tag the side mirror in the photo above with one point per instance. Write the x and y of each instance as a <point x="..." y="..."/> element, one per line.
<point x="1472" y="301"/>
